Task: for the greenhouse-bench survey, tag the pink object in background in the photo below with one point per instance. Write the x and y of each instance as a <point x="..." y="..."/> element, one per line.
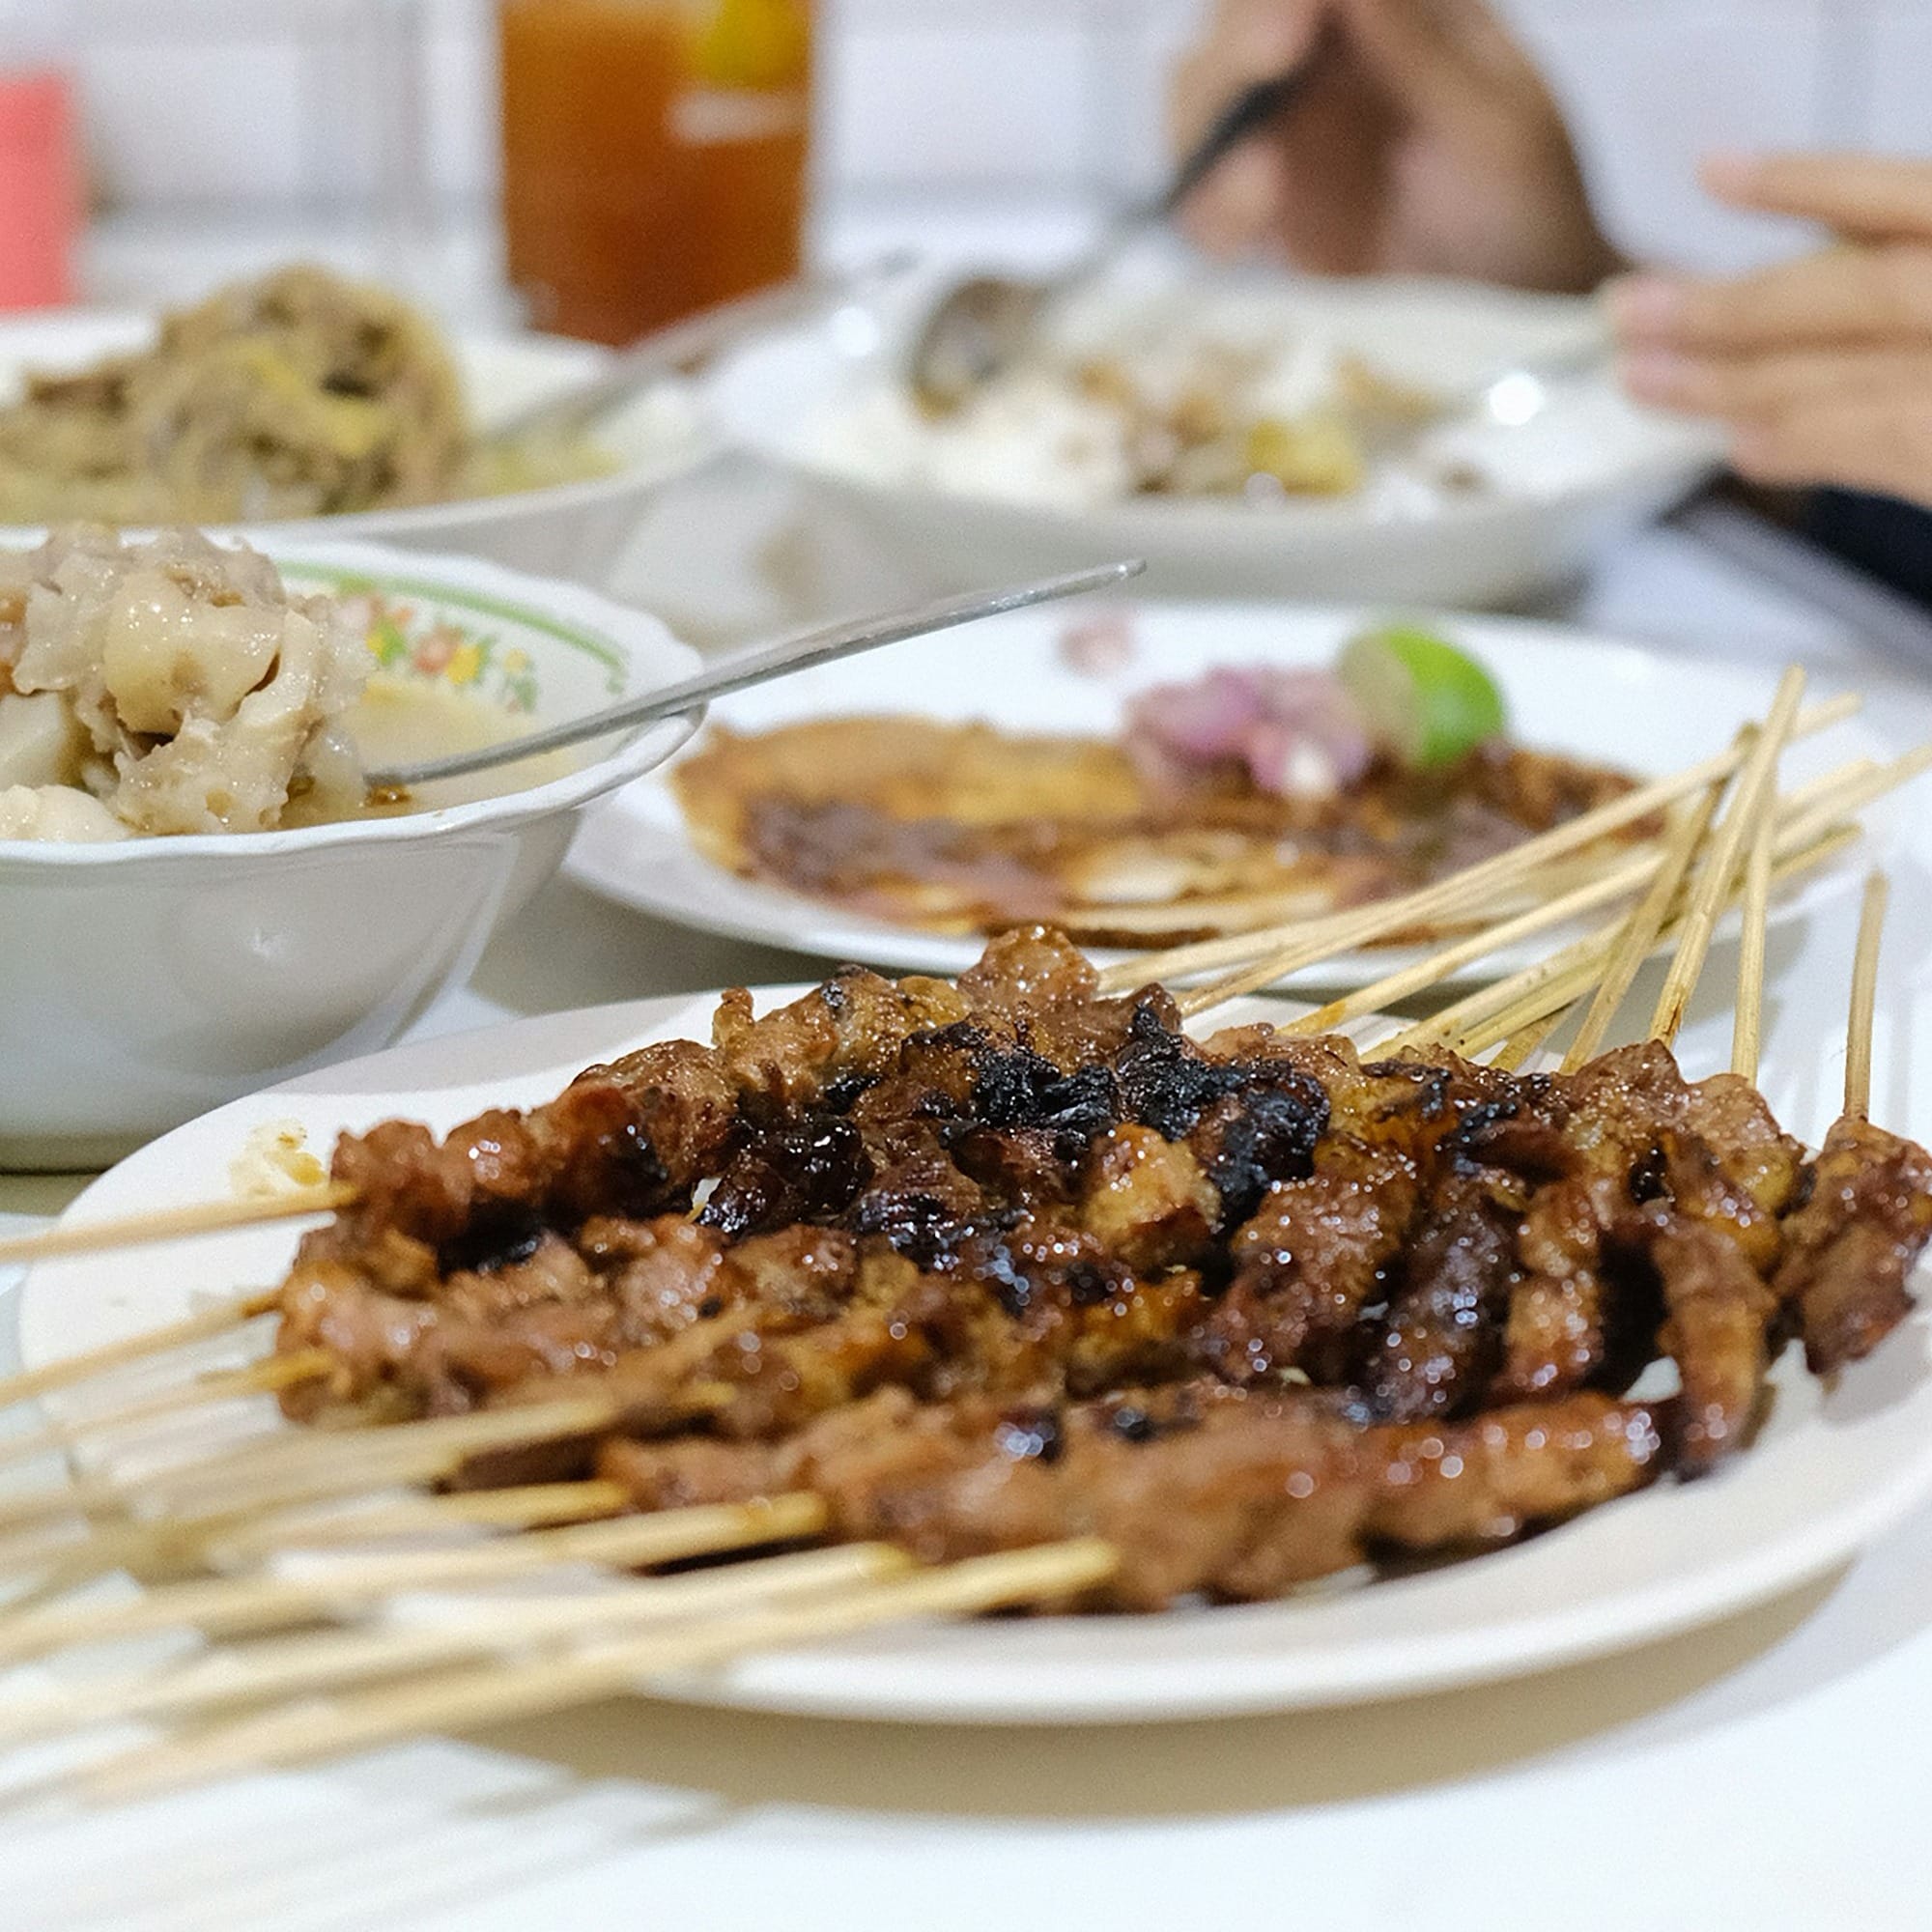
<point x="40" y="191"/>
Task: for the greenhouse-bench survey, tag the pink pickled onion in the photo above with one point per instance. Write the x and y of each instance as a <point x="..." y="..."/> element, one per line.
<point x="1297" y="731"/>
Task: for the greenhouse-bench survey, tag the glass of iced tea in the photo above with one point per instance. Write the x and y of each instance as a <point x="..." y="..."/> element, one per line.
<point x="655" y="156"/>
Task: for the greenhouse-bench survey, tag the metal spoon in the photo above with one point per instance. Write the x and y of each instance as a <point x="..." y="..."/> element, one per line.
<point x="983" y="324"/>
<point x="761" y="667"/>
<point x="665" y="351"/>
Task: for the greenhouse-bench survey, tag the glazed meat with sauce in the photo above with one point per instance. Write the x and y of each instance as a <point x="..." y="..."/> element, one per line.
<point x="1003" y="1261"/>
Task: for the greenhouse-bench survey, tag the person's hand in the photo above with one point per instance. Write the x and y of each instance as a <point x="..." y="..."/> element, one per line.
<point x="1426" y="142"/>
<point x="1820" y="368"/>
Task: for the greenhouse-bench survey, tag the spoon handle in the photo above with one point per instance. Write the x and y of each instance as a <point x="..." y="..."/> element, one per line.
<point x="1246" y="115"/>
<point x="760" y="667"/>
<point x="666" y="352"/>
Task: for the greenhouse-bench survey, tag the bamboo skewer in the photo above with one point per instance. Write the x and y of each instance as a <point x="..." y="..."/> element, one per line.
<point x="174" y="1542"/>
<point x="333" y="1659"/>
<point x="1520" y="1048"/>
<point x="1821" y="797"/>
<point x="460" y="1699"/>
<point x="172" y="1224"/>
<point x="264" y="1378"/>
<point x="1802" y="842"/>
<point x="1383" y="993"/>
<point x="528" y="1506"/>
<point x="1583" y="974"/>
<point x="259" y="1603"/>
<point x="1494" y="1012"/>
<point x="1459" y="892"/>
<point x="1748" y="1027"/>
<point x="284" y="1471"/>
<point x="1641" y="930"/>
<point x="1756" y="786"/>
<point x="1865" y="998"/>
<point x="31" y="1383"/>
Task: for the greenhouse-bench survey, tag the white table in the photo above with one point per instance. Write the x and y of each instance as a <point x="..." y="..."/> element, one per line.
<point x="1771" y="1772"/>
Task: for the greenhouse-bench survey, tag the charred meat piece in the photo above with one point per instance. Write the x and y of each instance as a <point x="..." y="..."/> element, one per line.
<point x="799" y="1170"/>
<point x="1486" y="1480"/>
<point x="1622" y="1102"/>
<point x="850" y="1030"/>
<point x="1146" y="1200"/>
<point x="1438" y="1343"/>
<point x="1554" y="1338"/>
<point x="1308" y="1262"/>
<point x="1716" y="1329"/>
<point x="1850" y="1249"/>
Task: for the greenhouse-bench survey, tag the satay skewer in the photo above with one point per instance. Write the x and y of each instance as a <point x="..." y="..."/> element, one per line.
<point x="1583" y="974"/>
<point x="1661" y="872"/>
<point x="1803" y="842"/>
<point x="1522" y="1047"/>
<point x="1857" y="778"/>
<point x="267" y="1376"/>
<point x="29" y="1385"/>
<point x="62" y="1562"/>
<point x="273" y="1472"/>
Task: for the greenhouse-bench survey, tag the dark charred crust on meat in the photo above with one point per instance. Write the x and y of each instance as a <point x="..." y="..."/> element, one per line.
<point x="802" y="1170"/>
<point x="497" y="1238"/>
<point x="1270" y="1135"/>
<point x="1019" y="1089"/>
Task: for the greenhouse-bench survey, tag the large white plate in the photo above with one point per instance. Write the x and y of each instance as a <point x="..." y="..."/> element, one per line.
<point x="1832" y="1469"/>
<point x="1566" y="691"/>
<point x="1589" y="466"/>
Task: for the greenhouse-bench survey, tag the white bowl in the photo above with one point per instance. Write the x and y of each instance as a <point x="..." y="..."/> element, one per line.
<point x="1591" y="465"/>
<point x="142" y="982"/>
<point x="574" y="530"/>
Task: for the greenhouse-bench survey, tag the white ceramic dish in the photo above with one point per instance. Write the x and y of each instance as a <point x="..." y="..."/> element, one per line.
<point x="144" y="982"/>
<point x="1566" y="691"/>
<point x="1590" y="465"/>
<point x="1833" y="1469"/>
<point x="574" y="530"/>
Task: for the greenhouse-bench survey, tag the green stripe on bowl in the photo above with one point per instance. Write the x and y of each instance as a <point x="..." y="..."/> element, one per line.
<point x="349" y="582"/>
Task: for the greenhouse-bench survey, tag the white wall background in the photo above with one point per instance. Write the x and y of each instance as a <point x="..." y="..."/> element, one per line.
<point x="190" y="103"/>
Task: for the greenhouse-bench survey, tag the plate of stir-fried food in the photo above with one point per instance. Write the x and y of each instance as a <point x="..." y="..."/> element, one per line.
<point x="1162" y="775"/>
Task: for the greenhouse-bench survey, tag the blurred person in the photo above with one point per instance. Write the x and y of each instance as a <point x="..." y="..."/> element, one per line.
<point x="1820" y="368"/>
<point x="1425" y="142"/>
<point x="1428" y="142"/>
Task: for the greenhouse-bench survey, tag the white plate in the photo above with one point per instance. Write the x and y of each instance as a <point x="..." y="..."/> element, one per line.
<point x="1589" y="466"/>
<point x="1831" y="1470"/>
<point x="1566" y="691"/>
<point x="574" y="530"/>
